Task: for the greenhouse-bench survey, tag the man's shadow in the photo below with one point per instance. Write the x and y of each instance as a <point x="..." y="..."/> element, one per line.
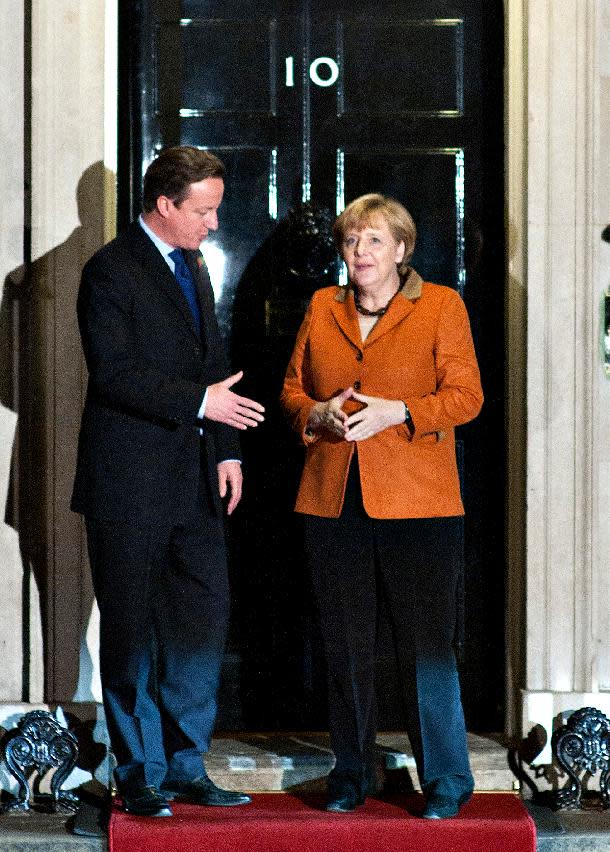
<point x="43" y="379"/>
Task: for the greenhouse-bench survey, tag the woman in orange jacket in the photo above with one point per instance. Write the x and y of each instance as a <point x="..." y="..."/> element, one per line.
<point x="382" y="371"/>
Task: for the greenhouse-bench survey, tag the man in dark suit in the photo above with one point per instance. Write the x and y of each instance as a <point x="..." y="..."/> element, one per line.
<point x="158" y="453"/>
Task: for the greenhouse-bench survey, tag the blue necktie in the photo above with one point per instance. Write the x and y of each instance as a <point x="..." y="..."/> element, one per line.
<point x="185" y="279"/>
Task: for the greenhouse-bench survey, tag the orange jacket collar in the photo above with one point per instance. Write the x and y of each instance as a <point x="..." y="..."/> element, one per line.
<point x="346" y="316"/>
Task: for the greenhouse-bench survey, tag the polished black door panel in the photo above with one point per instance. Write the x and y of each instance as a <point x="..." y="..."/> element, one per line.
<point x="241" y="79"/>
<point x="320" y="101"/>
<point x="430" y="62"/>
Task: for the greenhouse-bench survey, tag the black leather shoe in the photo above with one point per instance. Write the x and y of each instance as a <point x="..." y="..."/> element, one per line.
<point x="443" y="807"/>
<point x="203" y="791"/>
<point x="344" y="795"/>
<point x="343" y="803"/>
<point x="146" y="801"/>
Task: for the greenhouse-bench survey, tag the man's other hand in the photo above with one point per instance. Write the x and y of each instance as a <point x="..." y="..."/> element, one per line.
<point x="230" y="480"/>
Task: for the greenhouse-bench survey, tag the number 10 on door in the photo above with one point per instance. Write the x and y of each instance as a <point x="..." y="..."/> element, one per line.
<point x="328" y="78"/>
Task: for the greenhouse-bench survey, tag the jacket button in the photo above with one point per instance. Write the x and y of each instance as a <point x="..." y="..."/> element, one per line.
<point x="359" y="356"/>
<point x="357" y="385"/>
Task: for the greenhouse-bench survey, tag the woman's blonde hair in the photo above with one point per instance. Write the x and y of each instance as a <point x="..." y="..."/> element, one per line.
<point x="362" y="211"/>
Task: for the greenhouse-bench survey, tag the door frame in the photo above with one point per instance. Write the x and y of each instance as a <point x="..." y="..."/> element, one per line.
<point x="515" y="313"/>
<point x="515" y="136"/>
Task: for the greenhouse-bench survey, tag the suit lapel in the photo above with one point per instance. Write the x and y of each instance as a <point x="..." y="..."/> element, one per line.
<point x="159" y="274"/>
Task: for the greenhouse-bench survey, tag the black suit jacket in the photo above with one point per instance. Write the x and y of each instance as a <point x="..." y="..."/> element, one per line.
<point x="140" y="454"/>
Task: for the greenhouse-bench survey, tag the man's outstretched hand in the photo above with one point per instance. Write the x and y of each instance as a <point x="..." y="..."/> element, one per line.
<point x="225" y="406"/>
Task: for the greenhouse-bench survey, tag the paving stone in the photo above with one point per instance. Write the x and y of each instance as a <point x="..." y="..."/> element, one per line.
<point x="584" y="831"/>
<point x="37" y="832"/>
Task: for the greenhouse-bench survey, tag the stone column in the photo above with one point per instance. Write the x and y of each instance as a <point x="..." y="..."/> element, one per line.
<point x="568" y="397"/>
<point x="11" y="275"/>
<point x="600" y="457"/>
<point x="70" y="192"/>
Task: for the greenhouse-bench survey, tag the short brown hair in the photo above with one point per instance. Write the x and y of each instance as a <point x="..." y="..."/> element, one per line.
<point x="363" y="210"/>
<point x="174" y="170"/>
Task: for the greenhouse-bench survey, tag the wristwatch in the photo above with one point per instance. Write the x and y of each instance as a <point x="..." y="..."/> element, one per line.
<point x="409" y="420"/>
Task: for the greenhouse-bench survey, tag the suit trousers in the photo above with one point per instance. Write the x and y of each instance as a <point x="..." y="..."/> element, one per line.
<point x="163" y="596"/>
<point x="410" y="567"/>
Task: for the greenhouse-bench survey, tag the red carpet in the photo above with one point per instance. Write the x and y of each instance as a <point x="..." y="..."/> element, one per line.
<point x="490" y="822"/>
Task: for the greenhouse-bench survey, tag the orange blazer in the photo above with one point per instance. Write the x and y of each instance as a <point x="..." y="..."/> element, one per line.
<point x="421" y="352"/>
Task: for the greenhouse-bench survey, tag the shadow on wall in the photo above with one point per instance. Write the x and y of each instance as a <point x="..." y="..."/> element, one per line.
<point x="43" y="378"/>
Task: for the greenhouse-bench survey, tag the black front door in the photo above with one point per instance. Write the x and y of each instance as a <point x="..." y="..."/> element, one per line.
<point x="315" y="102"/>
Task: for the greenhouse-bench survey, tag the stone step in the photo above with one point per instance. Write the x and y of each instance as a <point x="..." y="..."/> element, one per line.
<point x="580" y="831"/>
<point x="571" y="831"/>
<point x="272" y="762"/>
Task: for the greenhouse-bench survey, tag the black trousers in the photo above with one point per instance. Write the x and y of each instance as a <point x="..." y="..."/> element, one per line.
<point x="163" y="596"/>
<point x="412" y="567"/>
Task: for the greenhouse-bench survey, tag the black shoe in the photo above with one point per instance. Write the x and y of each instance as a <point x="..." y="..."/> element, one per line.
<point x="203" y="791"/>
<point x="345" y="793"/>
<point x="343" y="798"/>
<point x="146" y="801"/>
<point x="343" y="803"/>
<point x="443" y="807"/>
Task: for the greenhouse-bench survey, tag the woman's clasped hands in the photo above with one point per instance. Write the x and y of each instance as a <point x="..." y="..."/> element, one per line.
<point x="376" y="415"/>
